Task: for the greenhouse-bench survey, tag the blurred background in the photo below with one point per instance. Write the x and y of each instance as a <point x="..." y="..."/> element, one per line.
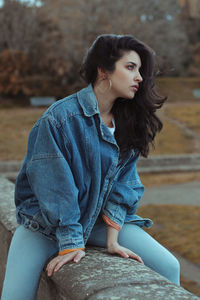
<point x="42" y="44"/>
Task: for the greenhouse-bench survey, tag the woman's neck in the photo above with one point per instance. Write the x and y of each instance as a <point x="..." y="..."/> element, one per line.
<point x="105" y="102"/>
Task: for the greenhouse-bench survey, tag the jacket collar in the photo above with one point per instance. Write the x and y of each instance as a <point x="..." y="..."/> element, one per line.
<point x="88" y="101"/>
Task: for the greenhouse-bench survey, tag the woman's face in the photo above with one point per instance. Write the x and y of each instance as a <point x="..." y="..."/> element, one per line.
<point x="126" y="76"/>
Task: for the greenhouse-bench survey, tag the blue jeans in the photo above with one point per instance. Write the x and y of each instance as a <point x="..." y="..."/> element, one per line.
<point x="29" y="251"/>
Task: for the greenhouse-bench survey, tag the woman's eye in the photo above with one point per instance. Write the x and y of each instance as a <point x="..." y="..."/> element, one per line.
<point x="130" y="67"/>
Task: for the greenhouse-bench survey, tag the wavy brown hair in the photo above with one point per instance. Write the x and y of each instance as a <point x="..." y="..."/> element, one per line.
<point x="136" y="121"/>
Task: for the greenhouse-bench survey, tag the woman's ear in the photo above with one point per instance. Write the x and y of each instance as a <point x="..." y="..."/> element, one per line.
<point x="101" y="74"/>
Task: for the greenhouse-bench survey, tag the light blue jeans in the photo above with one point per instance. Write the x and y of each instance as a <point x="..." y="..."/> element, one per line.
<point x="29" y="252"/>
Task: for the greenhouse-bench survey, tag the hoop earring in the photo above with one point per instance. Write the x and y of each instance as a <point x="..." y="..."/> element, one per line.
<point x="103" y="91"/>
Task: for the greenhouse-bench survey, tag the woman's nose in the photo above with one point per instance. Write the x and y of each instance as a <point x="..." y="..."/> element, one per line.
<point x="138" y="77"/>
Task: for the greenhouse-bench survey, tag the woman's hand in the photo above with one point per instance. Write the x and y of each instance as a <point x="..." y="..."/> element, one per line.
<point x="115" y="248"/>
<point x="56" y="263"/>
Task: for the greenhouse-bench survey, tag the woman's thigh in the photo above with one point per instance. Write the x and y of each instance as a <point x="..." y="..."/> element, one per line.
<point x="140" y="242"/>
<point x="27" y="256"/>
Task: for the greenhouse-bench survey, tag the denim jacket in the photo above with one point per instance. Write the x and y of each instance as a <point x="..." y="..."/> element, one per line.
<point x="71" y="174"/>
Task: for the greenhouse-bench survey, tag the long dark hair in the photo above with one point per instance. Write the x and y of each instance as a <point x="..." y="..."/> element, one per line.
<point x="136" y="121"/>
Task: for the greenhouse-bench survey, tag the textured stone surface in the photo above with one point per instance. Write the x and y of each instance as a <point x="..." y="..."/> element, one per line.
<point x="98" y="276"/>
<point x="5" y="238"/>
<point x="7" y="207"/>
<point x="104" y="276"/>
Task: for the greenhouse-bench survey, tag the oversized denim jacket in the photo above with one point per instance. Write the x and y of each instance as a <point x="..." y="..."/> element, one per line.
<point x="71" y="174"/>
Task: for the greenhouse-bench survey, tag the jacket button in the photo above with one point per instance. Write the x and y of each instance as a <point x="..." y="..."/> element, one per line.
<point x="35" y="226"/>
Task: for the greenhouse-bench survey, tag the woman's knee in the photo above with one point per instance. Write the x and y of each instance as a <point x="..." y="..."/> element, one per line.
<point x="173" y="270"/>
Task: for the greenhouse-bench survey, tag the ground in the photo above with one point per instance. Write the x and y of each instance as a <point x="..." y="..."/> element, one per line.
<point x="181" y="134"/>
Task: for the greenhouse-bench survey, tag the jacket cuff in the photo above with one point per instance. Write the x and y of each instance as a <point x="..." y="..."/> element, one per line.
<point x="66" y="251"/>
<point x="111" y="223"/>
<point x="115" y="213"/>
<point x="70" y="237"/>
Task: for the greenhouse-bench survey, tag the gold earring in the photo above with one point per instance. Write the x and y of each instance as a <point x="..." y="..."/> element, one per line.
<point x="107" y="89"/>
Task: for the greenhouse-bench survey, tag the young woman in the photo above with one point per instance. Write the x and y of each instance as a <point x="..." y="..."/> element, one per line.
<point x="79" y="183"/>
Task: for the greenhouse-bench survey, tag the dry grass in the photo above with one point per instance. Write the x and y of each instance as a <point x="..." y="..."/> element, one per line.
<point x="188" y="114"/>
<point x="15" y="126"/>
<point x="17" y="122"/>
<point x="178" y="89"/>
<point x="171" y="140"/>
<point x="191" y="286"/>
<point x="177" y="227"/>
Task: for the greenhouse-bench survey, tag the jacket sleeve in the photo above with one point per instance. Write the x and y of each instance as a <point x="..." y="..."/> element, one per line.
<point x="53" y="184"/>
<point x="122" y="201"/>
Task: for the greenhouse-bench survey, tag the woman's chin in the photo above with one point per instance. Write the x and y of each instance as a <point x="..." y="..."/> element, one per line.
<point x="130" y="96"/>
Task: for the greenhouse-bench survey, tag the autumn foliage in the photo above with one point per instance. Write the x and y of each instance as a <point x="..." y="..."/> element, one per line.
<point x="32" y="61"/>
<point x="14" y="67"/>
<point x="20" y="76"/>
<point x="41" y="48"/>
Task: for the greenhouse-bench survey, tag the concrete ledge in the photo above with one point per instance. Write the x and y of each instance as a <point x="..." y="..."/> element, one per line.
<point x="98" y="276"/>
<point x="152" y="164"/>
<point x="169" y="163"/>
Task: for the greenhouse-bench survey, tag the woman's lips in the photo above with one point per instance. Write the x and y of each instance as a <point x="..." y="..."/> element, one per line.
<point x="134" y="87"/>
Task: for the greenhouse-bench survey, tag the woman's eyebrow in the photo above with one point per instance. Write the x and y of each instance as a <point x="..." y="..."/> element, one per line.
<point x="133" y="63"/>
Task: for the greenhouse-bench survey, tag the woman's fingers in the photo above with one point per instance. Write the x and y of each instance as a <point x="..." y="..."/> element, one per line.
<point x="64" y="259"/>
<point x="136" y="257"/>
<point x="59" y="261"/>
<point x="78" y="256"/>
<point x="51" y="266"/>
<point x="124" y="252"/>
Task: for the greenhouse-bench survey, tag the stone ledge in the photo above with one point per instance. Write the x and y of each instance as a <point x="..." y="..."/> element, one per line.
<point x="169" y="163"/>
<point x="98" y="276"/>
<point x="152" y="164"/>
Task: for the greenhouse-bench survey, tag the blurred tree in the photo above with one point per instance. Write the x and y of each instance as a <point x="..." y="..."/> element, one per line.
<point x="18" y="26"/>
<point x="53" y="39"/>
<point x="14" y="66"/>
<point x="190" y="17"/>
<point x="194" y="66"/>
<point x="156" y="22"/>
<point x="31" y="53"/>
